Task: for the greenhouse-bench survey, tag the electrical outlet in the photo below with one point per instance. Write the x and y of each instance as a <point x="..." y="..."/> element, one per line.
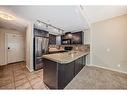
<point x="108" y="49"/>
<point x="118" y="65"/>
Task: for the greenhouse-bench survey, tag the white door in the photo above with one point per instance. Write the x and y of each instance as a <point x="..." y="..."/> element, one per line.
<point x="15" y="48"/>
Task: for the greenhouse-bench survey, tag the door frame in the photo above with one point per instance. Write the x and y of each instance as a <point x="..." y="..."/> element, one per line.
<point x="6" y="52"/>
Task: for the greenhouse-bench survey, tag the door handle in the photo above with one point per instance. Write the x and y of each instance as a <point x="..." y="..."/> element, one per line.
<point x="8" y="47"/>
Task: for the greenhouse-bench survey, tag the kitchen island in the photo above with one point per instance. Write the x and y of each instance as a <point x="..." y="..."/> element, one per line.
<point x="60" y="68"/>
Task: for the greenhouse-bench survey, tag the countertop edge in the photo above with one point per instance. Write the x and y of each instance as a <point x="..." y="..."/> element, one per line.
<point x="65" y="62"/>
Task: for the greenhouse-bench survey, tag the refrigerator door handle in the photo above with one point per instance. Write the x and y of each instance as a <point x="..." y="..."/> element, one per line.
<point x="41" y="47"/>
<point x="36" y="45"/>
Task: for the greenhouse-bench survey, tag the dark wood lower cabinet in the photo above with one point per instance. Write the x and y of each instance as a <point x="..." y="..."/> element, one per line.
<point x="57" y="75"/>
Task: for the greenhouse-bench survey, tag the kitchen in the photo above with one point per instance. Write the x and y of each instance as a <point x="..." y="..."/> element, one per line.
<point x="67" y="49"/>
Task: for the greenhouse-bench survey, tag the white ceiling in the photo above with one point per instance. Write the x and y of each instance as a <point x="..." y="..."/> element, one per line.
<point x="67" y="18"/>
<point x="17" y="24"/>
<point x="99" y="13"/>
<point x="13" y="25"/>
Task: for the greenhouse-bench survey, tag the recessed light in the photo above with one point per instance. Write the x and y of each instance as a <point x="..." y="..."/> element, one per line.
<point x="6" y="16"/>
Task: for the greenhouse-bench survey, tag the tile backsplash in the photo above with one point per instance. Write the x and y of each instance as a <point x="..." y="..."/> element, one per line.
<point x="85" y="47"/>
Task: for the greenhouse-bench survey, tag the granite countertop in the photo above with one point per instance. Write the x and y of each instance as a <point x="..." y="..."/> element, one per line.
<point x="65" y="57"/>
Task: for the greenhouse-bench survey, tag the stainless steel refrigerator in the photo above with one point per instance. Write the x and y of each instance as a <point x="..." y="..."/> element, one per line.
<point x="40" y="48"/>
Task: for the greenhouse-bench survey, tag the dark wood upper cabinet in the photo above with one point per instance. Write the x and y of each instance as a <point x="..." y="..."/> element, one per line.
<point x="52" y="39"/>
<point x="38" y="32"/>
<point x="77" y="38"/>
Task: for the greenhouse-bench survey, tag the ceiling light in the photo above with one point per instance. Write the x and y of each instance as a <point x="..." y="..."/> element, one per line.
<point x="6" y="16"/>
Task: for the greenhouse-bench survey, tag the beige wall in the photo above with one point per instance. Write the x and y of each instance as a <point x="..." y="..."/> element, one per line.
<point x="109" y="43"/>
<point x="2" y="48"/>
<point x="2" y="43"/>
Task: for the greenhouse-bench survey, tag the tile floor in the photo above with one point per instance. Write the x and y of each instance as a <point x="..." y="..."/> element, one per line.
<point x="17" y="76"/>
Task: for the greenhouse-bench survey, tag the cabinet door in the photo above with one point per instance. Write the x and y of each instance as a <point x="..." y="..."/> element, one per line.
<point x="39" y="32"/>
<point x="52" y="39"/>
<point x="78" y="65"/>
<point x="65" y="74"/>
<point x="78" y="37"/>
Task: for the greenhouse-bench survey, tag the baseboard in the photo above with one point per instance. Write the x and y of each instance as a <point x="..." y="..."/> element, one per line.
<point x="29" y="68"/>
<point x="11" y="63"/>
<point x="88" y="65"/>
<point x="108" y="68"/>
<point x="2" y="64"/>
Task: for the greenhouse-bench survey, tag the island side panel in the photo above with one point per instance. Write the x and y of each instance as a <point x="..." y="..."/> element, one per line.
<point x="79" y="64"/>
<point x="65" y="74"/>
<point x="84" y="60"/>
<point x="50" y="74"/>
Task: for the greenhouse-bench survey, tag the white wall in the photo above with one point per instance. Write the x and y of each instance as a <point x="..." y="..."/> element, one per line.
<point x="2" y="43"/>
<point x="29" y="47"/>
<point x="109" y="43"/>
